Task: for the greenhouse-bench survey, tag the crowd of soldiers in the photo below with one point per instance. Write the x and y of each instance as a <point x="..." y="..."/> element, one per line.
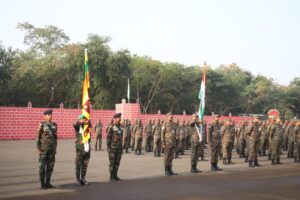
<point x="171" y="139"/>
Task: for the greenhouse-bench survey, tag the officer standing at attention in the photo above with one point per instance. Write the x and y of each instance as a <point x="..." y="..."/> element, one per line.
<point x="114" y="147"/>
<point x="82" y="154"/>
<point x="169" y="144"/>
<point x="46" y="141"/>
<point x="196" y="138"/>
<point x="98" y="131"/>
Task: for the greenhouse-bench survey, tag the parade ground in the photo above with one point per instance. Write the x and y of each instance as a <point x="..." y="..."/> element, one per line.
<point x="143" y="177"/>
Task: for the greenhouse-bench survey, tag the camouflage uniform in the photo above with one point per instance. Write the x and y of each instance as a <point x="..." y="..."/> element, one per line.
<point x="253" y="134"/>
<point x="126" y="134"/>
<point x="177" y="145"/>
<point x="148" y="137"/>
<point x="296" y="134"/>
<point x="290" y="140"/>
<point x="242" y="140"/>
<point x="132" y="138"/>
<point x="46" y="141"/>
<point x="195" y="145"/>
<point x="138" y="136"/>
<point x="98" y="130"/>
<point x="187" y="133"/>
<point x="269" y="140"/>
<point x="263" y="139"/>
<point x="82" y="158"/>
<point x="227" y="143"/>
<point x="169" y="144"/>
<point x="114" y="148"/>
<point x="214" y="140"/>
<point x="156" y="131"/>
<point x="182" y="138"/>
<point x="286" y="128"/>
<point x="276" y="136"/>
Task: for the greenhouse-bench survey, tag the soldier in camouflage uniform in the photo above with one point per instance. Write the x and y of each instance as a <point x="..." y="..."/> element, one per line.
<point x="169" y="144"/>
<point x="276" y="134"/>
<point x="264" y="135"/>
<point x="187" y="135"/>
<point x="242" y="139"/>
<point x="227" y="142"/>
<point x="114" y="147"/>
<point x="132" y="140"/>
<point x="138" y="137"/>
<point x="285" y="135"/>
<point x="253" y="134"/>
<point x="296" y="134"/>
<point x="290" y="140"/>
<point x="269" y="127"/>
<point x="195" y="143"/>
<point x="182" y="137"/>
<point x="126" y="135"/>
<point x="148" y="136"/>
<point x="214" y="141"/>
<point x="46" y="141"/>
<point x="82" y="156"/>
<point x="177" y="146"/>
<point x="156" y="131"/>
<point x="98" y="131"/>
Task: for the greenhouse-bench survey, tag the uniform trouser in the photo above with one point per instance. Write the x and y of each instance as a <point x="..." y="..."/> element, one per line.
<point x="276" y="144"/>
<point x="81" y="163"/>
<point x="138" y="143"/>
<point x="46" y="164"/>
<point x="290" y="146"/>
<point x="98" y="140"/>
<point x="148" y="143"/>
<point x="297" y="150"/>
<point x="169" y="155"/>
<point x="215" y="148"/>
<point x="227" y="149"/>
<point x="182" y="145"/>
<point x="201" y="150"/>
<point x="157" y="145"/>
<point x="220" y="150"/>
<point x="132" y="142"/>
<point x="253" y="149"/>
<point x="263" y="145"/>
<point x="114" y="156"/>
<point x="195" y="150"/>
<point x="247" y="148"/>
<point x="177" y="150"/>
<point x="242" y="146"/>
<point x="237" y="145"/>
<point x="187" y="142"/>
<point x="126" y="142"/>
<point x="285" y="142"/>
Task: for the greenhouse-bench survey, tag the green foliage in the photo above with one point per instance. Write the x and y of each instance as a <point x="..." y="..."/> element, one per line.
<point x="50" y="72"/>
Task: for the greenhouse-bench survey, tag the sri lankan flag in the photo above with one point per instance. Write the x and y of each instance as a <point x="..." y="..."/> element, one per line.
<point x="86" y="99"/>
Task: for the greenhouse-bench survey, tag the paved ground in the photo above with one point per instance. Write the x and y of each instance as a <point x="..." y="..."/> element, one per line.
<point x="143" y="177"/>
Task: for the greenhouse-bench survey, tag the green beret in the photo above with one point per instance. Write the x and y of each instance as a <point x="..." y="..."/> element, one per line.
<point x="81" y="116"/>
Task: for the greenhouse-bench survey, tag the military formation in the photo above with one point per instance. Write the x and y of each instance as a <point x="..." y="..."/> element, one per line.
<point x="171" y="138"/>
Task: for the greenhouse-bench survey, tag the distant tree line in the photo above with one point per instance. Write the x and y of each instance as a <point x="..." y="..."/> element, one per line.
<point x="50" y="72"/>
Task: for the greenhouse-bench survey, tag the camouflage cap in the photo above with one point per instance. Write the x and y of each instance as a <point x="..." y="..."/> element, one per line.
<point x="48" y="112"/>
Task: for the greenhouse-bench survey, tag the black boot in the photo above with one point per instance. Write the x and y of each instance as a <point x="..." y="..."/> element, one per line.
<point x="116" y="175"/>
<point x="296" y="160"/>
<point x="217" y="168"/>
<point x="78" y="182"/>
<point x="256" y="164"/>
<point x="288" y="154"/>
<point x="48" y="184"/>
<point x="225" y="161"/>
<point x="111" y="178"/>
<point x="251" y="164"/>
<point x="195" y="170"/>
<point x="269" y="156"/>
<point x="273" y="162"/>
<point x="278" y="161"/>
<point x="167" y="173"/>
<point x="246" y="158"/>
<point x="230" y="162"/>
<point x="43" y="185"/>
<point x="213" y="167"/>
<point x="299" y="159"/>
<point x="171" y="171"/>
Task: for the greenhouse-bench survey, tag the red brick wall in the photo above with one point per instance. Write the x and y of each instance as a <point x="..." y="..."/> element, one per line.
<point x="21" y="123"/>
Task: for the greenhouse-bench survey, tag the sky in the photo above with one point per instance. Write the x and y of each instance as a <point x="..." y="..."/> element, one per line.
<point x="261" y="36"/>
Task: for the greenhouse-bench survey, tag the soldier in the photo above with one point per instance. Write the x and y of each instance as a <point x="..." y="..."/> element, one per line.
<point x="214" y="141"/>
<point x="114" y="147"/>
<point x="126" y="135"/>
<point x="227" y="142"/>
<point x="98" y="131"/>
<point x="109" y="125"/>
<point x="182" y="138"/>
<point x="276" y="135"/>
<point x="242" y="139"/>
<point x="253" y="135"/>
<point x="132" y="142"/>
<point x="202" y="142"/>
<point x="286" y="128"/>
<point x="82" y="154"/>
<point x="290" y="140"/>
<point x="148" y="136"/>
<point x="269" y="139"/>
<point x="296" y="134"/>
<point x="168" y="144"/>
<point x="264" y="135"/>
<point x="46" y="141"/>
<point x="138" y="136"/>
<point x="177" y="146"/>
<point x="196" y="137"/>
<point x="156" y="131"/>
<point x="187" y="135"/>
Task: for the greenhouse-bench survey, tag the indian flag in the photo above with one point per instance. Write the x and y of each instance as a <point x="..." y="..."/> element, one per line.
<point x="86" y="99"/>
<point x="202" y="95"/>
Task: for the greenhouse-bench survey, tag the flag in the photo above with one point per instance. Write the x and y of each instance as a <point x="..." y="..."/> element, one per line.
<point x="128" y="92"/>
<point x="86" y="99"/>
<point x="202" y="95"/>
